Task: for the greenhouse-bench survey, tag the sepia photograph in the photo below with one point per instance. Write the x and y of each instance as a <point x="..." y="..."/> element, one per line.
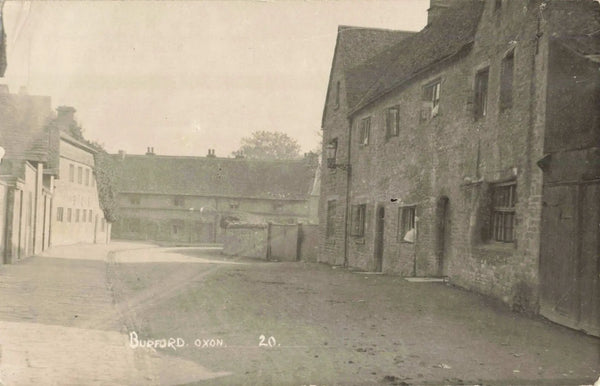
<point x="299" y="192"/>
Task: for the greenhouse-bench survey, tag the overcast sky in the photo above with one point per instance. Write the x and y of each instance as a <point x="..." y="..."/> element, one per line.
<point x="185" y="76"/>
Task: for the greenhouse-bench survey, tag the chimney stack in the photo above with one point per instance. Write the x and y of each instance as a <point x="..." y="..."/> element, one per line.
<point x="150" y="151"/>
<point x="437" y="7"/>
<point x="211" y="153"/>
<point x="65" y="115"/>
<point x="122" y="154"/>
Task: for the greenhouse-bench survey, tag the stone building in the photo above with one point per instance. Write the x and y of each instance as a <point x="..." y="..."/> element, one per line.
<point x="189" y="199"/>
<point x="33" y="178"/>
<point x="472" y="152"/>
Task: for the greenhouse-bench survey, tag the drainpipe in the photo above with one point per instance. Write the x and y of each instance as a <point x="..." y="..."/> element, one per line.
<point x="348" y="177"/>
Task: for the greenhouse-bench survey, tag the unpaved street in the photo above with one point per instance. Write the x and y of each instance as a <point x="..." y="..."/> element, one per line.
<point x="79" y="315"/>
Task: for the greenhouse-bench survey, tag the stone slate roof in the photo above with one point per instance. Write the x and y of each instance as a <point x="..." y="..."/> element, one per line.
<point x="355" y="45"/>
<point x="447" y="35"/>
<point x="217" y="177"/>
<point x="23" y="130"/>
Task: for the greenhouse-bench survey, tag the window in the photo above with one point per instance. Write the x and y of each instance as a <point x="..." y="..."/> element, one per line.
<point x="358" y="217"/>
<point x="134" y="200"/>
<point x="177" y="227"/>
<point x="392" y="123"/>
<point x="83" y="213"/>
<point x="331" y="209"/>
<point x="365" y="130"/>
<point x="504" y="197"/>
<point x="76" y="215"/>
<point x="337" y="95"/>
<point x="406" y="224"/>
<point x="69" y="214"/>
<point x="332" y="153"/>
<point x="497" y="5"/>
<point x="59" y="214"/>
<point x="178" y="201"/>
<point x="234" y="205"/>
<point x="506" y="81"/>
<point x="90" y="215"/>
<point x="79" y="175"/>
<point x="87" y="177"/>
<point x="71" y="173"/>
<point x="481" y="93"/>
<point x="431" y="101"/>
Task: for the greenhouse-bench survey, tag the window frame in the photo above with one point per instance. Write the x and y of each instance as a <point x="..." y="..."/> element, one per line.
<point x="358" y="216"/>
<point x="331" y="212"/>
<point x="71" y="173"/>
<point x="500" y="230"/>
<point x="481" y="93"/>
<point x="407" y="216"/>
<point x="79" y="175"/>
<point x="365" y="131"/>
<point x="60" y="214"/>
<point x="396" y="122"/>
<point x="507" y="80"/>
<point x="69" y="215"/>
<point x="430" y="100"/>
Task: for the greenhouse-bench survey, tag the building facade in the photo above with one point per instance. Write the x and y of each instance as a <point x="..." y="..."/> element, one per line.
<point x="189" y="199"/>
<point x="35" y="190"/>
<point x="450" y="151"/>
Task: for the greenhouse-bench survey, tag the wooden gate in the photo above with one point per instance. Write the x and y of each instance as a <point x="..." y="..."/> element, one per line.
<point x="569" y="255"/>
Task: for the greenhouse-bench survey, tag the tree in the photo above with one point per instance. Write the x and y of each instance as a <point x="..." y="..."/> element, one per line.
<point x="268" y="145"/>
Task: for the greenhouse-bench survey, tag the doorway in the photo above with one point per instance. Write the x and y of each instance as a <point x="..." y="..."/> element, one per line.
<point x="379" y="232"/>
<point x="443" y="235"/>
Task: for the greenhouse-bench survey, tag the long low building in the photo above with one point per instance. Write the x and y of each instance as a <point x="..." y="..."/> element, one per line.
<point x="189" y="199"/>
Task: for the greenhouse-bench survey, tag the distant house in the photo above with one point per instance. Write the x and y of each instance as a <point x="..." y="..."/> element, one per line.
<point x="76" y="213"/>
<point x="34" y="179"/>
<point x="190" y="199"/>
<point x="471" y="150"/>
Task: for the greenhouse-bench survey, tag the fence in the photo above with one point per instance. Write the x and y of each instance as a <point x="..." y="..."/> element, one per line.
<point x="272" y="241"/>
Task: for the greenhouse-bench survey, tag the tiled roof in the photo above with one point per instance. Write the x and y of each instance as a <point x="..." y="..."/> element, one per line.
<point x="358" y="46"/>
<point x="23" y="120"/>
<point x="355" y="45"/>
<point x="447" y="35"/>
<point x="220" y="177"/>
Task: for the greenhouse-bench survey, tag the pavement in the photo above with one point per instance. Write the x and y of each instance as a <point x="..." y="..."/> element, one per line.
<point x="67" y="318"/>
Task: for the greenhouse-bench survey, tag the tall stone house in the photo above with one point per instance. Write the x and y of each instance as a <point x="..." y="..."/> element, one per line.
<point x="470" y="150"/>
<point x="185" y="199"/>
<point x="36" y="195"/>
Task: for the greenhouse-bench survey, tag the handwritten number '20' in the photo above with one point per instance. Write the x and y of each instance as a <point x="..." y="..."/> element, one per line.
<point x="264" y="342"/>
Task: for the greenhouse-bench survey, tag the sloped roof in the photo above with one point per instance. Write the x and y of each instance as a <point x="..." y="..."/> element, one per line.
<point x="209" y="176"/>
<point x="446" y="36"/>
<point x="354" y="45"/>
<point x="23" y="120"/>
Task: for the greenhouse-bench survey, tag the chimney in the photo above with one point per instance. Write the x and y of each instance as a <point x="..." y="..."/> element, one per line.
<point x="150" y="151"/>
<point x="437" y="7"/>
<point x="211" y="153"/>
<point x="122" y="154"/>
<point x="65" y="115"/>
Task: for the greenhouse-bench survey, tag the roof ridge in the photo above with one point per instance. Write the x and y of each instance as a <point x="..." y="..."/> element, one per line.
<point x="343" y="27"/>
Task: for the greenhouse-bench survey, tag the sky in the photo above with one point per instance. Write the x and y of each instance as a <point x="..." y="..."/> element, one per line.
<point x="187" y="76"/>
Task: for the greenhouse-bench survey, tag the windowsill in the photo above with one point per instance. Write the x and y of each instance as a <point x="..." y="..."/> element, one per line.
<point x="496" y="246"/>
<point x="359" y="239"/>
<point x="406" y="242"/>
